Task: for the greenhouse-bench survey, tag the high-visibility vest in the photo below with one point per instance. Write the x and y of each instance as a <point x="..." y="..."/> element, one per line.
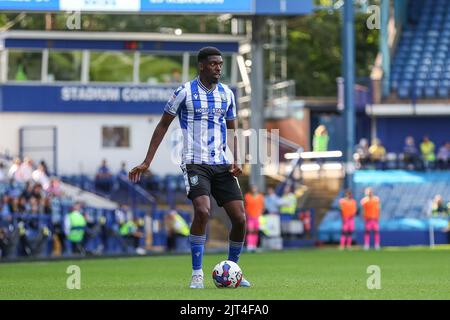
<point x="427" y="149"/>
<point x="289" y="204"/>
<point x="181" y="226"/>
<point x="77" y="226"/>
<point x="320" y="143"/>
<point x="263" y="224"/>
<point x="126" y="228"/>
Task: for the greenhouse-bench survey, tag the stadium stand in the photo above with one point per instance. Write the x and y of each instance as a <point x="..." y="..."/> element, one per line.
<point x="421" y="65"/>
<point x="38" y="228"/>
<point x="405" y="206"/>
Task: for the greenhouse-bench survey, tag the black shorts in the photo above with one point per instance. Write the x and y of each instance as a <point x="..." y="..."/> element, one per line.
<point x="215" y="180"/>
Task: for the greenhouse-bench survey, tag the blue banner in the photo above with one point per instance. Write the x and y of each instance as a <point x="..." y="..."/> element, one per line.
<point x="32" y="5"/>
<point x="283" y="7"/>
<point x="85" y="98"/>
<point x="196" y="6"/>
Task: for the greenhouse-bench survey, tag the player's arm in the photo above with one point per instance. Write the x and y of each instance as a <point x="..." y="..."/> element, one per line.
<point x="158" y="135"/>
<point x="232" y="125"/>
<point x="236" y="168"/>
<point x="170" y="112"/>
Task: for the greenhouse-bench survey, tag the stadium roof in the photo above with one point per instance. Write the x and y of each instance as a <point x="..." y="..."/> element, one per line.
<point x="127" y="36"/>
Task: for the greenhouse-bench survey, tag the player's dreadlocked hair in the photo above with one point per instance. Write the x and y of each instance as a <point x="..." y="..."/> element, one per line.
<point x="205" y="52"/>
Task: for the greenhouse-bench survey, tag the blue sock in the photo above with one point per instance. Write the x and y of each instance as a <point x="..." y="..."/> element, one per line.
<point x="234" y="250"/>
<point x="197" y="248"/>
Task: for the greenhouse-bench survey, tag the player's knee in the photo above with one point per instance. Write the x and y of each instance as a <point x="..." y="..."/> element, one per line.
<point x="240" y="220"/>
<point x="202" y="214"/>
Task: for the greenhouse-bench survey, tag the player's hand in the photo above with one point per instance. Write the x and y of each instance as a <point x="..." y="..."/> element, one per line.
<point x="135" y="174"/>
<point x="236" y="170"/>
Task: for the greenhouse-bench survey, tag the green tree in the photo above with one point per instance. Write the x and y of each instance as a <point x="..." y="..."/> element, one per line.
<point x="315" y="55"/>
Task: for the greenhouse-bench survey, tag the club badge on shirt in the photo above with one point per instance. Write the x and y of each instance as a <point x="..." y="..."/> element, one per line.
<point x="223" y="96"/>
<point x="194" y="180"/>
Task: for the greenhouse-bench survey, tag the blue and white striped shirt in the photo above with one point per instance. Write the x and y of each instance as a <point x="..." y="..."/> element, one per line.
<point x="202" y="114"/>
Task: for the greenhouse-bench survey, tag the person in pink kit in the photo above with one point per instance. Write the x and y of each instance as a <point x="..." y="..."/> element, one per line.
<point x="371" y="207"/>
<point x="348" y="211"/>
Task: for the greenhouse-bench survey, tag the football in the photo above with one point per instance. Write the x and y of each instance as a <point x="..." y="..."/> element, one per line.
<point x="227" y="274"/>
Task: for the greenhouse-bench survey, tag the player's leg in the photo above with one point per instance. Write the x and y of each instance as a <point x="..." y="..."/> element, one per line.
<point x="376" y="230"/>
<point x="350" y="230"/>
<point x="227" y="192"/>
<point x="236" y="213"/>
<point x="343" y="234"/>
<point x="198" y="238"/>
<point x="367" y="235"/>
<point x="235" y="210"/>
<point x="197" y="180"/>
<point x="252" y="233"/>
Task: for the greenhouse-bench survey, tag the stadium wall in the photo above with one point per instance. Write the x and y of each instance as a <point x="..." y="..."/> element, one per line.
<point x="79" y="143"/>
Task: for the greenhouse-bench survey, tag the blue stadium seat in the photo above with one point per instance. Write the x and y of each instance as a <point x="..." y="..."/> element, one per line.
<point x="430" y="92"/>
<point x="424" y="68"/>
<point x="417" y="92"/>
<point x="443" y="92"/>
<point x="434" y="75"/>
<point x="437" y="68"/>
<point x="410" y="69"/>
<point x="440" y="55"/>
<point x="403" y="91"/>
<point x="423" y="52"/>
<point x="422" y="75"/>
<point x="394" y="84"/>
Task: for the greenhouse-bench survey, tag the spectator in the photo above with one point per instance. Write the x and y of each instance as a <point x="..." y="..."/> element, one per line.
<point x="427" y="151"/>
<point x="45" y="167"/>
<point x="443" y="157"/>
<point x="272" y="201"/>
<point x="38" y="192"/>
<point x="22" y="205"/>
<point x="9" y="233"/>
<point x="377" y="153"/>
<point x="13" y="170"/>
<point x="177" y="230"/>
<point x="288" y="202"/>
<point x="131" y="236"/>
<point x="371" y="208"/>
<point x="54" y="188"/>
<point x="58" y="228"/>
<point x="254" y="208"/>
<point x="438" y="207"/>
<point x="34" y="235"/>
<point x="103" y="178"/>
<point x="3" y="174"/>
<point x="5" y="205"/>
<point x="75" y="225"/>
<point x="40" y="176"/>
<point x="320" y="139"/>
<point x="348" y="211"/>
<point x="103" y="171"/>
<point x="362" y="155"/>
<point x="25" y="171"/>
<point x="27" y="192"/>
<point x="288" y="208"/>
<point x="123" y="172"/>
<point x="46" y="205"/>
<point x="410" y="154"/>
<point x="91" y="241"/>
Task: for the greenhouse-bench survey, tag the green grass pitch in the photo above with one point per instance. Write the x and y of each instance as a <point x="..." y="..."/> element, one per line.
<point x="294" y="274"/>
